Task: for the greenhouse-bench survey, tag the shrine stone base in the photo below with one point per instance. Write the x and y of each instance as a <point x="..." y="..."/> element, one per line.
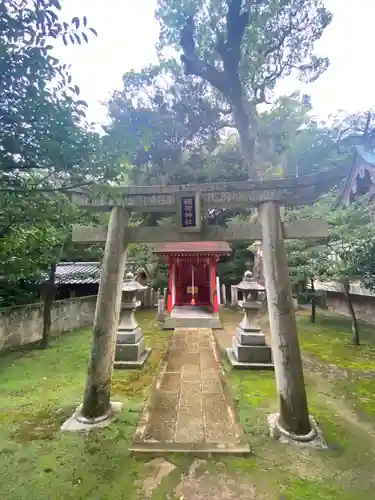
<point x="131" y="351"/>
<point x="192" y="317"/>
<point x="249" y="351"/>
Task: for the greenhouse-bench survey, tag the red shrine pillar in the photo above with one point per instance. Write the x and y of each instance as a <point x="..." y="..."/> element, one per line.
<point x="215" y="302"/>
<point x="171" y="284"/>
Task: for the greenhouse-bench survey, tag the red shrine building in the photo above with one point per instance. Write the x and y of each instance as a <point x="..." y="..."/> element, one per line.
<point x="192" y="277"/>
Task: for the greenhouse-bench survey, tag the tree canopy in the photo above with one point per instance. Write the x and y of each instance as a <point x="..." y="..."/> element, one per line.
<point x="242" y="48"/>
<point x="47" y="148"/>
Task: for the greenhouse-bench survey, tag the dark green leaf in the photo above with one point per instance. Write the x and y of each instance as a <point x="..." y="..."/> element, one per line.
<point x="56" y="4"/>
<point x="76" y="21"/>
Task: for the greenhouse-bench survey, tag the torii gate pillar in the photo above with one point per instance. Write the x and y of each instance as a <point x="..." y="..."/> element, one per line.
<point x="97" y="409"/>
<point x="294" y="416"/>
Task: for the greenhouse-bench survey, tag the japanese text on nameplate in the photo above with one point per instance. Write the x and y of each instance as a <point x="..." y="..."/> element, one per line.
<point x="188" y="211"/>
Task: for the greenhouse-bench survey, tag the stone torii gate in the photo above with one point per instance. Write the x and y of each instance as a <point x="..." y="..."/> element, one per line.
<point x="267" y="196"/>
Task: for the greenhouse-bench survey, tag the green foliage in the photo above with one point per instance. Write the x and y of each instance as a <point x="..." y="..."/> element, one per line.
<point x="350" y="243"/>
<point x="231" y="269"/>
<point x="242" y="50"/>
<point x="278" y="36"/>
<point x="351" y="239"/>
<point x="159" y="121"/>
<point x="161" y="277"/>
<point x="348" y="253"/>
<point x="42" y="143"/>
<point x="46" y="146"/>
<point x="22" y="293"/>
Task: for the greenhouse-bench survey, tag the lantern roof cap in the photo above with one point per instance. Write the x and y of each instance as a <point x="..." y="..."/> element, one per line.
<point x="131" y="285"/>
<point x="249" y="283"/>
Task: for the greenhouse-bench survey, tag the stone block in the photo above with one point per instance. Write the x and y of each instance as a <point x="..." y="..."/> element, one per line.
<point x="252" y="354"/>
<point x="180" y="322"/>
<point x="255" y="337"/>
<point x="126" y="337"/>
<point x="130" y="352"/>
<point x="246" y="366"/>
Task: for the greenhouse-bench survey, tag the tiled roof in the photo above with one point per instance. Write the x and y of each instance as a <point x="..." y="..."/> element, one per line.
<point x="70" y="273"/>
<point x="201" y="247"/>
<point x="356" y="288"/>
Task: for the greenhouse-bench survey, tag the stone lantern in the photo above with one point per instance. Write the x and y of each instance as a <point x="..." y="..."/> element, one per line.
<point x="249" y="349"/>
<point x="131" y="351"/>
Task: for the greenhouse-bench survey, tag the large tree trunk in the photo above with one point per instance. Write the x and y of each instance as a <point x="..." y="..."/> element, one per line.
<point x="49" y="292"/>
<point x="294" y="415"/>
<point x="96" y="401"/>
<point x="313" y="302"/>
<point x="247" y="142"/>
<point x="355" y="328"/>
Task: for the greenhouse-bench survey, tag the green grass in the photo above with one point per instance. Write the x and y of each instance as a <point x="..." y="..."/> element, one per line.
<point x="329" y="341"/>
<point x="336" y="384"/>
<point x="344" y="471"/>
<point x="38" y="391"/>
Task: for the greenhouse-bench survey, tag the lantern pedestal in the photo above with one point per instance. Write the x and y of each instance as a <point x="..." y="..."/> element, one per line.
<point x="249" y="349"/>
<point x="131" y="351"/>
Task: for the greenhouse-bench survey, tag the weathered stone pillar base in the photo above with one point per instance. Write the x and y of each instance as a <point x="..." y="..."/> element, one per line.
<point x="131" y="351"/>
<point x="250" y="357"/>
<point x="313" y="439"/>
<point x="249" y="349"/>
<point x="78" y="422"/>
<point x="130" y="356"/>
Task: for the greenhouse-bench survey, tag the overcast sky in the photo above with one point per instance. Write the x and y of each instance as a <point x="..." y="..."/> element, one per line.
<point x="127" y="34"/>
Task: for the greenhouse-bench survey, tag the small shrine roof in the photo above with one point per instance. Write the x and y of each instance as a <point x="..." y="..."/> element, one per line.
<point x="366" y="153"/>
<point x="364" y="159"/>
<point x="83" y="273"/>
<point x="194" y="247"/>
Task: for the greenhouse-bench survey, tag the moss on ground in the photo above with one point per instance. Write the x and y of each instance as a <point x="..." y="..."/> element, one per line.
<point x="335" y="370"/>
<point x="38" y="391"/>
<point x="329" y="339"/>
<point x="351" y="368"/>
<point x="343" y="471"/>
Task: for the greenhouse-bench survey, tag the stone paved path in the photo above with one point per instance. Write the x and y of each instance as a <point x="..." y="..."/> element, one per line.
<point x="190" y="407"/>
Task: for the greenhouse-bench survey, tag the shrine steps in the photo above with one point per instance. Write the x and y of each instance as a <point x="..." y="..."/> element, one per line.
<point x="192" y="317"/>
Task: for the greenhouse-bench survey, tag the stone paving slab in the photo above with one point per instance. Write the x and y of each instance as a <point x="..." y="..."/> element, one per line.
<point x="190" y="409"/>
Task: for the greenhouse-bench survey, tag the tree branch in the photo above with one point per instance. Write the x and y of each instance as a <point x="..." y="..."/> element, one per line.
<point x="229" y="49"/>
<point x="46" y="190"/>
<point x="195" y="66"/>
<point x="198" y="67"/>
